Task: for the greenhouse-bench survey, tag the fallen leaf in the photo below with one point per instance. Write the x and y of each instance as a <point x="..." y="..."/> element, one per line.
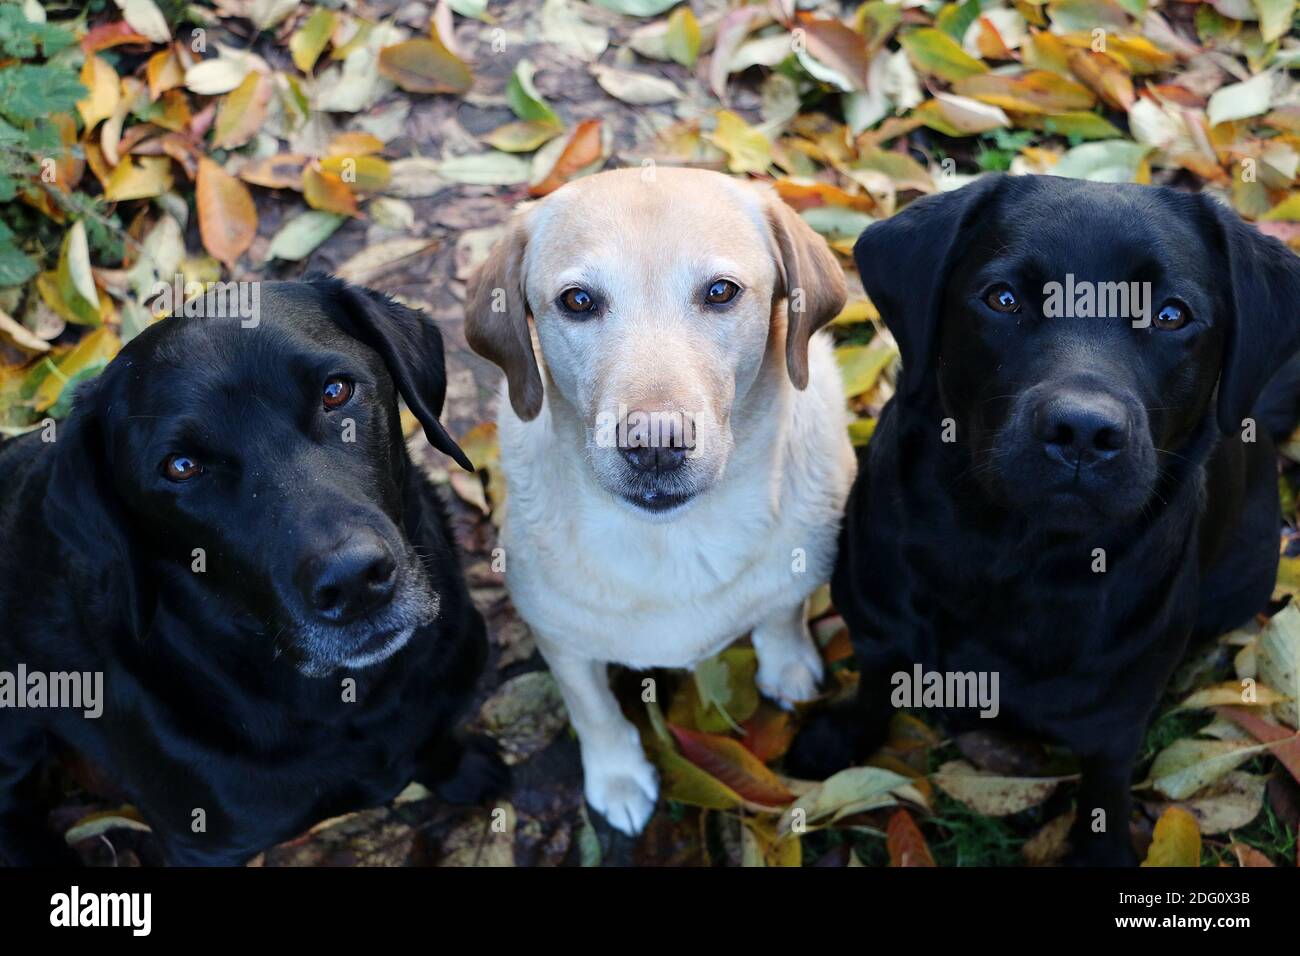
<point x="425" y="66"/>
<point x="1188" y="765"/>
<point x="242" y="112"/>
<point x="906" y="845"/>
<point x="990" y="794"/>
<point x="1176" y="842"/>
<point x="99" y="77"/>
<point x="682" y="41"/>
<point x="283" y="171"/>
<point x="374" y="260"/>
<point x="300" y="236"/>
<point x="583" y="148"/>
<point x="145" y="177"/>
<point x="727" y="760"/>
<point x="1241" y="100"/>
<point x="216" y="76"/>
<point x="748" y="149"/>
<point x="850" y="791"/>
<point x="325" y="190"/>
<point x="227" y="216"/>
<point x="635" y="87"/>
<point x="524" y="715"/>
<point x="308" y="42"/>
<point x="935" y="53"/>
<point x="146" y="19"/>
<point x="76" y="282"/>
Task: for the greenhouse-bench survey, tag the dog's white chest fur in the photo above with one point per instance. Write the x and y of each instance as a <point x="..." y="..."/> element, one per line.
<point x="607" y="584"/>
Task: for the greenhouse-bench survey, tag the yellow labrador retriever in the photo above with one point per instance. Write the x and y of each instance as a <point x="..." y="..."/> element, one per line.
<point x="676" y="458"/>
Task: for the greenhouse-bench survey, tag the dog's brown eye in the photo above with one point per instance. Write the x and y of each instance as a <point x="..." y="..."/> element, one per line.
<point x="180" y="468"/>
<point x="1001" y="298"/>
<point x="336" y="393"/>
<point x="576" y="300"/>
<point x="721" y="291"/>
<point x="1172" y="315"/>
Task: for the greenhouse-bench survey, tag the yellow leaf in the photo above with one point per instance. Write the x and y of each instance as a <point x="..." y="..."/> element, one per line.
<point x="309" y="40"/>
<point x="142" y="177"/>
<point x="100" y="345"/>
<point x="683" y="38"/>
<point x="362" y="174"/>
<point x="1034" y="92"/>
<point x="861" y="365"/>
<point x="98" y="76"/>
<point x="747" y="149"/>
<point x="163" y="72"/>
<point x="355" y="144"/>
<point x="1177" y="840"/>
<point x="242" y="112"/>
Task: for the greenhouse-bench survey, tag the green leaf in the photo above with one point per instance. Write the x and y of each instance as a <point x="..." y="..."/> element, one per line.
<point x="524" y="99"/>
<point x="16" y="267"/>
<point x="1105" y="161"/>
<point x="30" y="92"/>
<point x="298" y="237"/>
<point x="637" y="8"/>
<point x="933" y="51"/>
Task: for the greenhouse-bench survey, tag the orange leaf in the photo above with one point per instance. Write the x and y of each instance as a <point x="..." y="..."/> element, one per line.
<point x="769" y="733"/>
<point x="583" y="149"/>
<point x="1034" y="92"/>
<point x="163" y="72"/>
<point x="327" y="192"/>
<point x="726" y="760"/>
<point x="1248" y="856"/>
<point x="424" y="66"/>
<point x="1104" y="76"/>
<point x="907" y="847"/>
<point x="111" y="34"/>
<point x="227" y="216"/>
<point x="355" y="144"/>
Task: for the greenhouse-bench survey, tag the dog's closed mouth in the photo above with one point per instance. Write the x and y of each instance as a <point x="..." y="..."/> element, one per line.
<point x="656" y="501"/>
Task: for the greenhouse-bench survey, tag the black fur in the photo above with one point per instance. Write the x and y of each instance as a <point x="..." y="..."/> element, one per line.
<point x="978" y="554"/>
<point x="216" y="698"/>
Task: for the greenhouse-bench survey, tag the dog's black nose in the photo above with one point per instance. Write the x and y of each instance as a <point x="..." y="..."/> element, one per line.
<point x="650" y="460"/>
<point x="655" y="442"/>
<point x="1079" y="429"/>
<point x="352" y="580"/>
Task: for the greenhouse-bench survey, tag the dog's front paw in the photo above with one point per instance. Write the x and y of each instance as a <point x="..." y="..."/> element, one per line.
<point x="622" y="786"/>
<point x="789" y="672"/>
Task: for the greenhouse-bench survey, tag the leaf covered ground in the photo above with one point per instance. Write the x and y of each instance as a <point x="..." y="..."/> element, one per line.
<point x="387" y="141"/>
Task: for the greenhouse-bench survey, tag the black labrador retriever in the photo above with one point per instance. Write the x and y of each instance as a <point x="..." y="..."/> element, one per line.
<point x="1057" y="494"/>
<point x="229" y="532"/>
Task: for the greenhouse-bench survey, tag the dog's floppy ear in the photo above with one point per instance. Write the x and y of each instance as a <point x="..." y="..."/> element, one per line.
<point x="411" y="346"/>
<point x="496" y="318"/>
<point x="85" y="513"/>
<point x="809" y="278"/>
<point x="904" y="263"/>
<point x="1264" y="329"/>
